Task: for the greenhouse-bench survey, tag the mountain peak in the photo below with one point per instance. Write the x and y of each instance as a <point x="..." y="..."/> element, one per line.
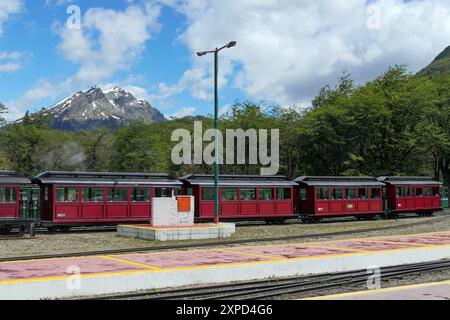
<point x="94" y="107"/>
<point x="440" y="65"/>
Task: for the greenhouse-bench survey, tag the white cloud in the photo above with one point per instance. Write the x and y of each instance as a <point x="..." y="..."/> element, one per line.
<point x="8" y="8"/>
<point x="58" y="2"/>
<point x="10" y="67"/>
<point x="9" y="61"/>
<point x="288" y="49"/>
<point x="42" y="90"/>
<point x="108" y="42"/>
<point x="183" y="112"/>
<point x="122" y="38"/>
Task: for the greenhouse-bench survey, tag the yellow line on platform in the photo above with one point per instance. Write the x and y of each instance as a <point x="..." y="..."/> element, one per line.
<point x="416" y="244"/>
<point x="64" y="277"/>
<point x="339" y="249"/>
<point x="132" y="263"/>
<point x="369" y="292"/>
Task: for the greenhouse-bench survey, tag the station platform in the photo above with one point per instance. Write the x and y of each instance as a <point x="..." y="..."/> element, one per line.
<point x="425" y="291"/>
<point x="96" y="275"/>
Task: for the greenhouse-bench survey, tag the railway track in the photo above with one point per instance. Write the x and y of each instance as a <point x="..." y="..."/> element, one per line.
<point x="221" y="243"/>
<point x="306" y="286"/>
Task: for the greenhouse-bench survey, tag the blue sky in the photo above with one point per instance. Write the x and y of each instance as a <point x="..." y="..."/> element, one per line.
<point x="287" y="49"/>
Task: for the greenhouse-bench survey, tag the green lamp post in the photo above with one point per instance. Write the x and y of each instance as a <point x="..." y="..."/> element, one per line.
<point x="216" y="122"/>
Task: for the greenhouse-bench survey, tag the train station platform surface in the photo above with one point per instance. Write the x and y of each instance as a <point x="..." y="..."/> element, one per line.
<point x="423" y="291"/>
<point x="96" y="275"/>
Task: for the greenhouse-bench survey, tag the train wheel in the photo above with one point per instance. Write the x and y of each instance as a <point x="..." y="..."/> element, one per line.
<point x="5" y="229"/>
<point x="52" y="229"/>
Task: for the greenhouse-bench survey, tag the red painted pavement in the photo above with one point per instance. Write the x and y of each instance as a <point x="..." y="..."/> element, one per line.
<point x="192" y="258"/>
<point x="148" y="262"/>
<point x="293" y="251"/>
<point x="59" y="267"/>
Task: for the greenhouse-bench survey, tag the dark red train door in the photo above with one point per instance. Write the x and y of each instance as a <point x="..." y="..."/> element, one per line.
<point x="420" y="201"/>
<point x="322" y="201"/>
<point x="229" y="204"/>
<point x="350" y="200"/>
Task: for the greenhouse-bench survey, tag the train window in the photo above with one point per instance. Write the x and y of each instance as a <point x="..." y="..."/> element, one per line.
<point x="266" y="194"/>
<point x="66" y="195"/>
<point x="46" y="193"/>
<point x="363" y="193"/>
<point x="436" y="192"/>
<point x="163" y="192"/>
<point x="229" y="194"/>
<point x="178" y="192"/>
<point x="208" y="194"/>
<point x="410" y="192"/>
<point x="60" y="195"/>
<point x="375" y="193"/>
<point x="400" y="192"/>
<point x="336" y="194"/>
<point x="444" y="192"/>
<point x="419" y="192"/>
<point x="284" y="194"/>
<point x="350" y="194"/>
<point x="93" y="194"/>
<point x="8" y="195"/>
<point x="303" y="194"/>
<point x="117" y="194"/>
<point x="248" y="194"/>
<point x="427" y="192"/>
<point x="141" y="195"/>
<point x="322" y="194"/>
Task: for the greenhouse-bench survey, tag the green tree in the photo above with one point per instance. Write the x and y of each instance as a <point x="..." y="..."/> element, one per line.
<point x="3" y="110"/>
<point x="97" y="148"/>
<point x="23" y="145"/>
<point x="138" y="148"/>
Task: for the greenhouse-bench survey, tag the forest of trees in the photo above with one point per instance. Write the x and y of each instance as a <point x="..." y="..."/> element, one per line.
<point x="397" y="124"/>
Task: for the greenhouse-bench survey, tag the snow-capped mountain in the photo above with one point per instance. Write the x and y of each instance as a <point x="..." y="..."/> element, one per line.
<point x="93" y="108"/>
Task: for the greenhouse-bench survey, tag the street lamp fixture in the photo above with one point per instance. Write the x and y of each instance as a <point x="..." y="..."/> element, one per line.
<point x="216" y="122"/>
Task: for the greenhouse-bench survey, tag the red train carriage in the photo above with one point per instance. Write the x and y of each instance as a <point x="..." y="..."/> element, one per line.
<point x="19" y="201"/>
<point x="243" y="197"/>
<point x="78" y="198"/>
<point x="320" y="197"/>
<point x="412" y="194"/>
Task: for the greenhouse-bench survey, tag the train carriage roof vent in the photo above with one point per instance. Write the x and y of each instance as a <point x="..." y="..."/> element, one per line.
<point x="12" y="177"/>
<point x="399" y="180"/>
<point x="338" y="181"/>
<point x="237" y="180"/>
<point x="105" y="178"/>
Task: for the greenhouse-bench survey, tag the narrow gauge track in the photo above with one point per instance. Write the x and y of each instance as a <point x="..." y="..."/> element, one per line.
<point x="221" y="243"/>
<point x="307" y="286"/>
<point x="239" y="224"/>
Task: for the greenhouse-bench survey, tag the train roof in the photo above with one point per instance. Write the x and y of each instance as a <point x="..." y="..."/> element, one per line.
<point x="326" y="181"/>
<point x="12" y="177"/>
<point x="237" y="180"/>
<point x="397" y="180"/>
<point x="105" y="178"/>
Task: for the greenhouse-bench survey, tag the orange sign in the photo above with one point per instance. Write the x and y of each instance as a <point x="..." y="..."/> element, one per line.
<point x="184" y="204"/>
